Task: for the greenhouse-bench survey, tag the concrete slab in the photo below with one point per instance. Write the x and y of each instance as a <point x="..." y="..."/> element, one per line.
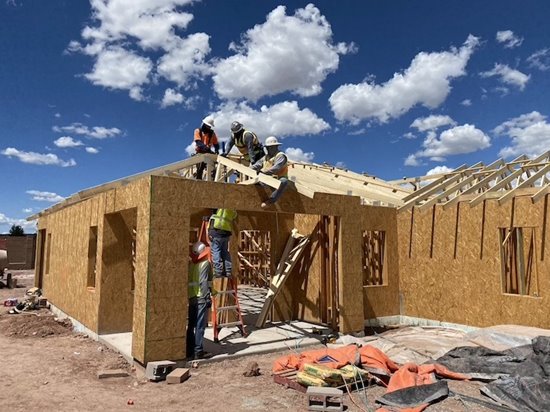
<point x="120" y="342"/>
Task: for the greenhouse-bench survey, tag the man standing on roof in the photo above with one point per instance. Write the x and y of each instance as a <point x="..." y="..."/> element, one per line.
<point x="205" y="138"/>
<point x="200" y="300"/>
<point x="275" y="163"/>
<point x="246" y="141"/>
<point x="220" y="228"/>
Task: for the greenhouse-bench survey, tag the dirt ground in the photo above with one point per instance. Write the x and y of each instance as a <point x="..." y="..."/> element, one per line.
<point x="47" y="367"/>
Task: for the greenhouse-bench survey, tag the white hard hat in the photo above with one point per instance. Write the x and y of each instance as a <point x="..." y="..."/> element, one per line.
<point x="271" y="141"/>
<point x="209" y="121"/>
<point x="198" y="248"/>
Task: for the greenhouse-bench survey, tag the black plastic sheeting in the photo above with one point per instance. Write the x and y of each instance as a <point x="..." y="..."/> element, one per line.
<point x="525" y="372"/>
<point x="415" y="395"/>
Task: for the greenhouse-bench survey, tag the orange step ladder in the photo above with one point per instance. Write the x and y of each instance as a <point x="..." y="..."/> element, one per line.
<point x="220" y="314"/>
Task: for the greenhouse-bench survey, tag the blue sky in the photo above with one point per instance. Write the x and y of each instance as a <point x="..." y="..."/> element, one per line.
<point x="91" y="91"/>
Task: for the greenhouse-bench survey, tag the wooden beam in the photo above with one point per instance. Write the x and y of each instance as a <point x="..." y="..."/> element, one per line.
<point x="527" y="182"/>
<point x="436" y="183"/>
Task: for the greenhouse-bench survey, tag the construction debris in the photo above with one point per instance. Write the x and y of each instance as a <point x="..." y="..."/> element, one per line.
<point x="178" y="375"/>
<point x="252" y="369"/>
<point x="157" y="371"/>
<point x="325" y="399"/>
<point x="115" y="373"/>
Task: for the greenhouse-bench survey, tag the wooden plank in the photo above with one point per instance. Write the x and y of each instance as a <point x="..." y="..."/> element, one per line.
<point x="527" y="182"/>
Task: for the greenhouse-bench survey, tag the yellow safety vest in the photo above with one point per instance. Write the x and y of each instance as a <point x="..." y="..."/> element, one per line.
<point x="242" y="146"/>
<point x="268" y="164"/>
<point x="223" y="219"/>
<point x="194" y="287"/>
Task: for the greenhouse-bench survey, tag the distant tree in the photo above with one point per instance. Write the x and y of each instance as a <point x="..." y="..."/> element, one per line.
<point x="17" y="230"/>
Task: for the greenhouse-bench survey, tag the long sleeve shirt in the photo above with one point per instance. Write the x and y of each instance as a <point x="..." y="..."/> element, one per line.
<point x="279" y="162"/>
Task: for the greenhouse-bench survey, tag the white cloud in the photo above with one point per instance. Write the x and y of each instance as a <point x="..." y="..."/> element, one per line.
<point x="116" y="68"/>
<point x="457" y="140"/>
<point x="96" y="132"/>
<point x="298" y="155"/>
<point x="508" y="75"/>
<point x="361" y="131"/>
<point x="432" y="122"/>
<point x="530" y="134"/>
<point x="185" y="59"/>
<point x="190" y="149"/>
<point x="171" y="97"/>
<point x="509" y="39"/>
<point x="409" y="136"/>
<point x="92" y="150"/>
<point x="439" y="170"/>
<point x="8" y="222"/>
<point x="281" y="120"/>
<point x="27" y="210"/>
<point x="540" y="59"/>
<point x="37" y="158"/>
<point x="341" y="165"/>
<point x="286" y="53"/>
<point x="58" y="115"/>
<point x="67" y="141"/>
<point x="123" y="31"/>
<point x="426" y="81"/>
<point x="466" y="102"/>
<point x="45" y="196"/>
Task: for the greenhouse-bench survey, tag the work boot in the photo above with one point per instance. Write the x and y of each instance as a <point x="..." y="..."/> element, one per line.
<point x="202" y="355"/>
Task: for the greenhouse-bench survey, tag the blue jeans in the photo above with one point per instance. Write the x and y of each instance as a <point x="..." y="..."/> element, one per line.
<point x="196" y="324"/>
<point x="219" y="246"/>
<point x="276" y="195"/>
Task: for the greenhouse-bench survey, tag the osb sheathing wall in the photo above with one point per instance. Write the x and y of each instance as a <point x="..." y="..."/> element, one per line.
<point x="65" y="284"/>
<point x="382" y="300"/>
<point x="451" y="270"/>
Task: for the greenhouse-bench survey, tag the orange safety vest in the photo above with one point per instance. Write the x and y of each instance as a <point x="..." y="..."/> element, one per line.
<point x="208" y="140"/>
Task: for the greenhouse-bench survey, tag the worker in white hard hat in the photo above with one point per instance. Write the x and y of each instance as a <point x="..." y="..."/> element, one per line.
<point x="205" y="139"/>
<point x="200" y="276"/>
<point x="274" y="163"/>
<point x="246" y="141"/>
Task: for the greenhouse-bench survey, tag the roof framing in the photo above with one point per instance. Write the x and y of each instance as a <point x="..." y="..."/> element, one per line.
<point x="477" y="183"/>
<point x="307" y="178"/>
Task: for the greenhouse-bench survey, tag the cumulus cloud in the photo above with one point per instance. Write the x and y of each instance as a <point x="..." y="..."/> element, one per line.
<point x="439" y="170"/>
<point x="529" y="134"/>
<point x="508" y="75"/>
<point x="281" y="120"/>
<point x="466" y="102"/>
<point x="508" y="39"/>
<point x="298" y="155"/>
<point x="427" y="81"/>
<point x="49" y="159"/>
<point x="540" y="59"/>
<point x="286" y="53"/>
<point x="457" y="140"/>
<point x="92" y="150"/>
<point x="67" y="141"/>
<point x="122" y="31"/>
<point x="96" y="132"/>
<point x="171" y="97"/>
<point x="9" y="221"/>
<point x="45" y="196"/>
<point x="27" y="210"/>
<point x="432" y="122"/>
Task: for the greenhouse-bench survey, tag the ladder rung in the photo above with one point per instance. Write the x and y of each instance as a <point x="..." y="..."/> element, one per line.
<point x="227" y="308"/>
<point x="228" y="324"/>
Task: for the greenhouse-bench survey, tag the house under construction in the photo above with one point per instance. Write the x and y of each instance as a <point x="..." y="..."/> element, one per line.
<point x="466" y="247"/>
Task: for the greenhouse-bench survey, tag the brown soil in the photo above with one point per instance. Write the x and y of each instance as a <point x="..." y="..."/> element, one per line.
<point x="56" y="370"/>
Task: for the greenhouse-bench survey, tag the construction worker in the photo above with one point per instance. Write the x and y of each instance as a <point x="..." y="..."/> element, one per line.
<point x="220" y="229"/>
<point x="275" y="163"/>
<point x="246" y="141"/>
<point x="205" y="138"/>
<point x="200" y="300"/>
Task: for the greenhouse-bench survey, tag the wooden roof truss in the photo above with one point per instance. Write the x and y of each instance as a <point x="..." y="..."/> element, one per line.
<point x="307" y="178"/>
<point x="474" y="184"/>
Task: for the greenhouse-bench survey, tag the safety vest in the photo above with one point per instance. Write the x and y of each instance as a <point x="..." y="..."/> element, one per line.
<point x="268" y="164"/>
<point x="223" y="219"/>
<point x="194" y="287"/>
<point x="241" y="144"/>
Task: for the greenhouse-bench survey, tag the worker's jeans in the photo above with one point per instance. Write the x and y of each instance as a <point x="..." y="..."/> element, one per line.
<point x="196" y="324"/>
<point x="221" y="257"/>
<point x="277" y="193"/>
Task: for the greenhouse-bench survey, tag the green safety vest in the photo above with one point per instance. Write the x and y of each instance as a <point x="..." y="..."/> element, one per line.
<point x="194" y="287"/>
<point x="268" y="164"/>
<point x="223" y="219"/>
